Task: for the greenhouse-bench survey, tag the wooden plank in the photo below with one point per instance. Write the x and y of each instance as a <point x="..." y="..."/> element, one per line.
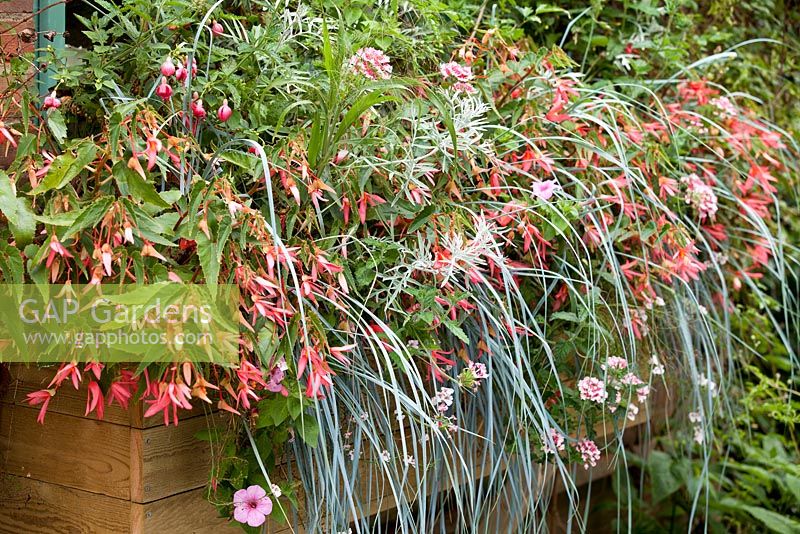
<point x="187" y="512"/>
<point x="33" y="506"/>
<point x="70" y="451"/>
<point x="171" y="460"/>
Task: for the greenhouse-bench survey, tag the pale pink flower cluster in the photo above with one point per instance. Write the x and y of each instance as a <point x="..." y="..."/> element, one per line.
<point x="462" y="75"/>
<point x="724" y="104"/>
<point x="616" y="362"/>
<point x="696" y="419"/>
<point x="700" y="196"/>
<point x="589" y="453"/>
<point x="593" y="389"/>
<point x="558" y="441"/>
<point x="455" y="70"/>
<point x="443" y="399"/>
<point x="371" y="63"/>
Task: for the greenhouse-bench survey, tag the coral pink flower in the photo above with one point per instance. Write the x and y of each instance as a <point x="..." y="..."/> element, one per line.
<point x="593" y="389"/>
<point x="251" y="506"/>
<point x="67" y="370"/>
<point x="371" y="63"/>
<point x="224" y="112"/>
<point x="56" y="249"/>
<point x="366" y="201"/>
<point x="122" y="389"/>
<point x="94" y="400"/>
<point x="154" y="146"/>
<point x="42" y="397"/>
<point x="169" y="396"/>
<point x="319" y="373"/>
<point x="589" y="453"/>
<point x="168" y="67"/>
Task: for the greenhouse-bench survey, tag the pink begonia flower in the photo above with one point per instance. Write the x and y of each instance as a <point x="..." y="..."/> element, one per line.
<point x="371" y="63"/>
<point x="544" y="190"/>
<point x="593" y="389"/>
<point x="251" y="506"/>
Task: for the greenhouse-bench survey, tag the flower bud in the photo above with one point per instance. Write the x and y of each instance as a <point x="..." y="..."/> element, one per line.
<point x="52" y="101"/>
<point x="217" y="29"/>
<point x="164" y="90"/>
<point x="168" y="67"/>
<point x="224" y="112"/>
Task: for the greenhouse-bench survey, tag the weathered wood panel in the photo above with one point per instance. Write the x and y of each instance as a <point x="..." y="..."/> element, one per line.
<point x="34" y="507"/>
<point x="70" y="451"/>
<point x="170" y="460"/>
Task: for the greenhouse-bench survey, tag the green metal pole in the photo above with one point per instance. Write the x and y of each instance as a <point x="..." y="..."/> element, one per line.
<point x="50" y="26"/>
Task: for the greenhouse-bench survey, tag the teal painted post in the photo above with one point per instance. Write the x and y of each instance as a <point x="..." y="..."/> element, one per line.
<point x="50" y="22"/>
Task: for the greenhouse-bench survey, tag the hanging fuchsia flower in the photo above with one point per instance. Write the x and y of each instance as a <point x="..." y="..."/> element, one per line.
<point x="51" y="101"/>
<point x="164" y="91"/>
<point x="181" y="73"/>
<point x="371" y="63"/>
<point x="593" y="389"/>
<point x="251" y="506"/>
<point x="168" y="67"/>
<point x="224" y="112"/>
<point x="217" y="29"/>
<point x="197" y="108"/>
<point x="454" y="70"/>
<point x="589" y="453"/>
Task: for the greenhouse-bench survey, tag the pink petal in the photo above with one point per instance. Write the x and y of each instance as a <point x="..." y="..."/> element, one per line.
<point x="256" y="492"/>
<point x="255" y="518"/>
<point x="241" y="513"/>
<point x="265" y="506"/>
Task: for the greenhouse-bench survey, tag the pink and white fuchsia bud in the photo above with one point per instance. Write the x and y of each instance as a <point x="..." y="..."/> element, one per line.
<point x="197" y="107"/>
<point x="224" y="112"/>
<point x="164" y="90"/>
<point x="181" y="73"/>
<point x="51" y="101"/>
<point x="217" y="29"/>
<point x="168" y="67"/>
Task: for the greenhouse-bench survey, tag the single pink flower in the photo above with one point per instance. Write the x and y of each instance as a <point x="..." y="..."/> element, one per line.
<point x="197" y="109"/>
<point x="217" y="29"/>
<point x="224" y="112"/>
<point x="168" y="67"/>
<point x="42" y="397"/>
<point x="544" y="190"/>
<point x="251" y="506"/>
<point x="164" y="91"/>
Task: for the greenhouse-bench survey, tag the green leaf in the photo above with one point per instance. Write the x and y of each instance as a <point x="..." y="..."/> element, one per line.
<point x="17" y="210"/>
<point x="89" y="217"/>
<point x="359" y="107"/>
<point x="66" y="167"/>
<point x="55" y="121"/>
<point x="132" y="183"/>
<point x="457" y="331"/>
<point x="664" y="482"/>
<point x="11" y="265"/>
<point x="773" y="520"/>
<point x="308" y="430"/>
